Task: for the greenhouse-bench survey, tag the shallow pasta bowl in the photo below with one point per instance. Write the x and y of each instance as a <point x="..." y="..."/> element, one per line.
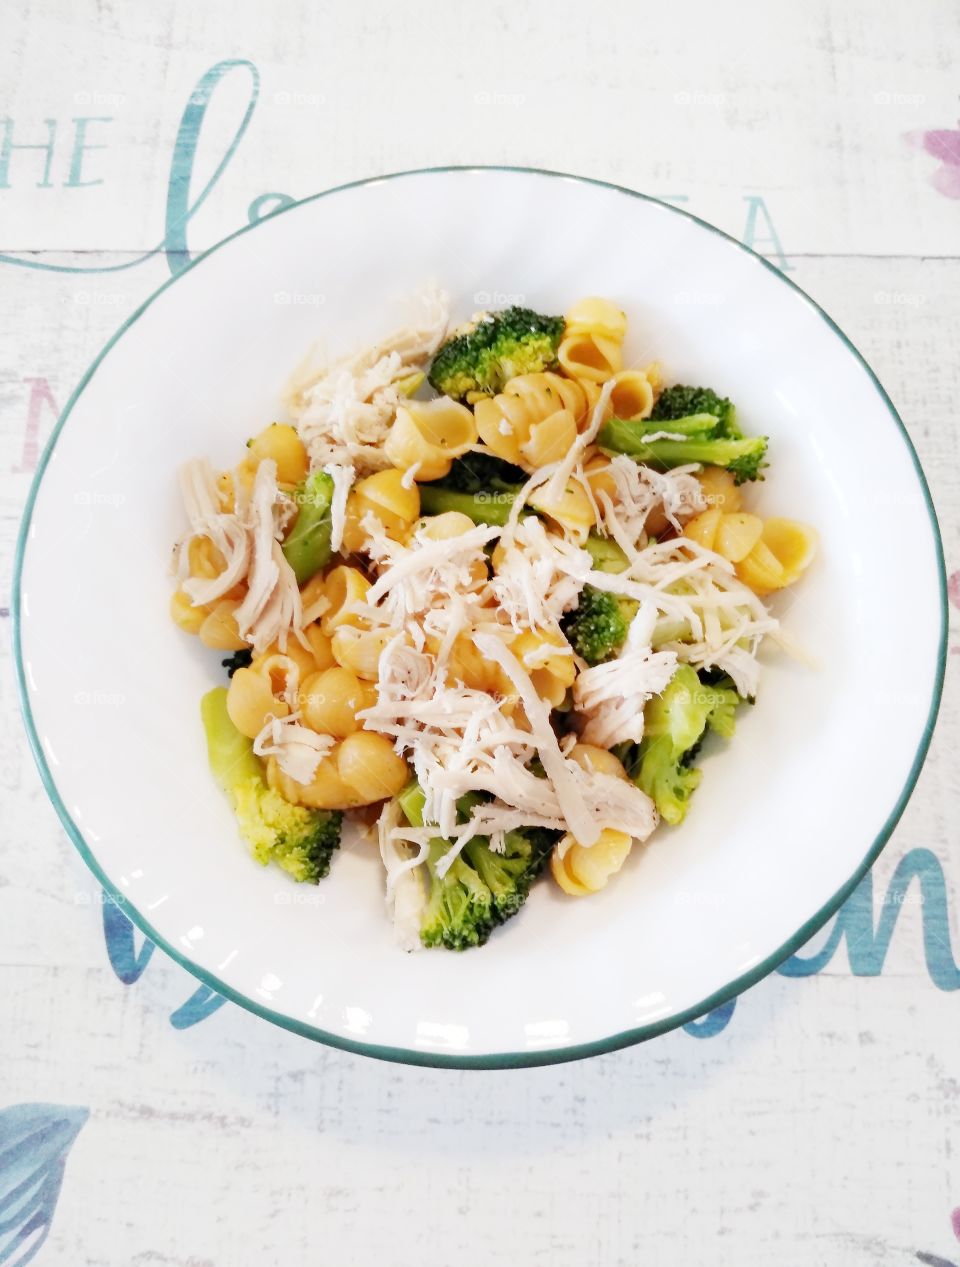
<point x="784" y="823"/>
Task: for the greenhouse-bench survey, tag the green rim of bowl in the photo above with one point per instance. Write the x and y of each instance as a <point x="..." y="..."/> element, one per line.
<point x="494" y="1060"/>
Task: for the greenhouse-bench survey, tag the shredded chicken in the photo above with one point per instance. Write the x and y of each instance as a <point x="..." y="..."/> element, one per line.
<point x="227" y="532"/>
<point x="248" y="538"/>
<point x="640" y="490"/>
<point x="538" y="578"/>
<point x="405" y="889"/>
<point x="462" y="739"/>
<point x="272" y="607"/>
<point x="343" y="410"/>
<point x="298" y="749"/>
<point x="343" y="474"/>
<point x="611" y="697"/>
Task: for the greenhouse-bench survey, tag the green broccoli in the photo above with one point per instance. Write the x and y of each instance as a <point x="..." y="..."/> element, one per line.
<point x="679" y="403"/>
<point x="482" y="888"/>
<point x="237" y="660"/>
<point x="299" y="840"/>
<point x="481" y="472"/>
<point x="597" y="626"/>
<point x="307" y="546"/>
<point x="483" y="508"/>
<point x="674" y="727"/>
<point x="510" y="874"/>
<point x="459" y="911"/>
<point x="744" y="458"/>
<point x="605" y="554"/>
<point x="707" y="422"/>
<point x="493" y="508"/>
<point x="493" y="348"/>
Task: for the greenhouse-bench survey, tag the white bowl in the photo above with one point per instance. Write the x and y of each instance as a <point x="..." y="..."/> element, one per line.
<point x="789" y="815"/>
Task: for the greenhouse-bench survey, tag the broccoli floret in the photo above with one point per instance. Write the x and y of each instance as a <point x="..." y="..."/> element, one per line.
<point x="237" y="660"/>
<point x="708" y="423"/>
<point x="681" y="402"/>
<point x="509" y="875"/>
<point x="459" y="911"/>
<point x="481" y="472"/>
<point x="481" y="888"/>
<point x="597" y="626"/>
<point x="299" y="840"/>
<point x="495" y="347"/>
<point x="744" y="457"/>
<point x="674" y="726"/>
<point x="307" y="545"/>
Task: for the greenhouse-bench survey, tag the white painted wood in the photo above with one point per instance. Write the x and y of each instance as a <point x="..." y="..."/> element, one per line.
<point x="819" y="1127"/>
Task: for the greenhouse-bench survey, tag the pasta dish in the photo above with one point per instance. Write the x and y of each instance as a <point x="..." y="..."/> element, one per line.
<point x="492" y="589"/>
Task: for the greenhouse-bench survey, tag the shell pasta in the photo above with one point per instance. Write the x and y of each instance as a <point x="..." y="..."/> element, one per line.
<point x="498" y="582"/>
<point x="592" y="344"/>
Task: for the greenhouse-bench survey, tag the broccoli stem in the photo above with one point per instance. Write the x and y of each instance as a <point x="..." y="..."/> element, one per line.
<point x="620" y="436"/>
<point x="744" y="457"/>
<point x="231" y="755"/>
<point x="412" y="800"/>
<point x="692" y="425"/>
<point x="483" y="508"/>
<point x="606" y="554"/>
<point x="307" y="547"/>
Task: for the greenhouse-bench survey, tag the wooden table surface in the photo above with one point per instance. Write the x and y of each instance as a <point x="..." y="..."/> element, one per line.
<point x="818" y="1120"/>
